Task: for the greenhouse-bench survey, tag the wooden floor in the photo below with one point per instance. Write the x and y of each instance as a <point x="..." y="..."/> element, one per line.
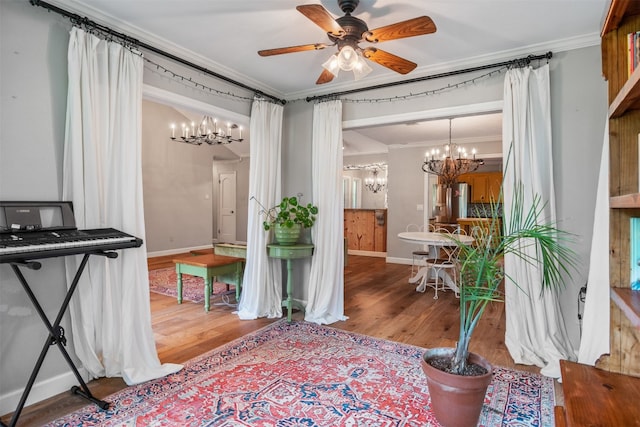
<point x="379" y="302"/>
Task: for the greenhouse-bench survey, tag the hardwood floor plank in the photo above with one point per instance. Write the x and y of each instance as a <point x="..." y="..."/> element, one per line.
<point x="379" y="302"/>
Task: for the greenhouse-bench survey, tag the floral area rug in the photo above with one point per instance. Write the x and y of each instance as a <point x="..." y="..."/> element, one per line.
<point x="302" y="374"/>
<point x="164" y="281"/>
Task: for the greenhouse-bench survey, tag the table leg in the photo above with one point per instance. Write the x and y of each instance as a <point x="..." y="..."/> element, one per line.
<point x="179" y="275"/>
<point x="207" y="292"/>
<point x="238" y="280"/>
<point x="289" y="289"/>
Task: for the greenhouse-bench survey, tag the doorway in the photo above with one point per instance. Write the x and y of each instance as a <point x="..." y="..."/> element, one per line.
<point x="227" y="212"/>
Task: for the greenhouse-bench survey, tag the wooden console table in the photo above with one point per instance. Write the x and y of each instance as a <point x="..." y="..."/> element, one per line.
<point x="289" y="253"/>
<point x="207" y="267"/>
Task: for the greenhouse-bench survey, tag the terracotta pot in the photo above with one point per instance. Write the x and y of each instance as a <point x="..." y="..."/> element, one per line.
<point x="287" y="236"/>
<point x="456" y="400"/>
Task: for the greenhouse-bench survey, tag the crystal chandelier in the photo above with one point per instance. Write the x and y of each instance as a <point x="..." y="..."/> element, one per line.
<point x="452" y="163"/>
<point x="207" y="131"/>
<point x="375" y="183"/>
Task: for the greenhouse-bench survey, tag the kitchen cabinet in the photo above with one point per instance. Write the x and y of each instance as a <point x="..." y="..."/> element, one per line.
<point x="366" y="229"/>
<point x="485" y="186"/>
<point x="480" y="228"/>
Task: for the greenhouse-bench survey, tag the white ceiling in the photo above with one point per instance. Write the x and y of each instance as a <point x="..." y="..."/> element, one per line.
<point x="225" y="35"/>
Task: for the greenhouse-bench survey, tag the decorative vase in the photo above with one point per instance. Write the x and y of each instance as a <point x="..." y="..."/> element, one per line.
<point x="456" y="400"/>
<point x="287" y="236"/>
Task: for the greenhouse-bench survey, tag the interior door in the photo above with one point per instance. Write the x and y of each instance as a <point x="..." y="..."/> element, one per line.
<point x="227" y="207"/>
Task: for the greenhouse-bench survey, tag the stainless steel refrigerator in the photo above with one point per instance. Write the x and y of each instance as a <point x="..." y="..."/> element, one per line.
<point x="452" y="202"/>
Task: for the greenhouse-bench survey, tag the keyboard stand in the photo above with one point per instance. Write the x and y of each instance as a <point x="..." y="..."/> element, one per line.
<point x="56" y="333"/>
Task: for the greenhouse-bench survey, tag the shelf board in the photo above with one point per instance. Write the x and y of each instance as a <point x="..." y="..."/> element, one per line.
<point x="629" y="302"/>
<point x="628" y="201"/>
<point x="628" y="98"/>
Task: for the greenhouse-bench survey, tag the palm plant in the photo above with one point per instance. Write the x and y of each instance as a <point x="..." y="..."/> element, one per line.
<point x="526" y="236"/>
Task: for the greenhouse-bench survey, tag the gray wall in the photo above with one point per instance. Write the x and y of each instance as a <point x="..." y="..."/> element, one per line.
<point x="33" y="49"/>
<point x="33" y="88"/>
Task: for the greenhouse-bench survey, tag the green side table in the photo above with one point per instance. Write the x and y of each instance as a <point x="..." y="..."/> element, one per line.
<point x="208" y="267"/>
<point x="289" y="253"/>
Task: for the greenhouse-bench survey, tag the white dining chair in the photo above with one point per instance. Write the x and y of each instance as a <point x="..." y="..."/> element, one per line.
<point x="419" y="254"/>
<point x="447" y="262"/>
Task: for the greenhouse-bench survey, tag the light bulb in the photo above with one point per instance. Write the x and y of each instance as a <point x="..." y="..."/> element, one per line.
<point x="331" y="65"/>
<point x="347" y="58"/>
<point x="361" y="68"/>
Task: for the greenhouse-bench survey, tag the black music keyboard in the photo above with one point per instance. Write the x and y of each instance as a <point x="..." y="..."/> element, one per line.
<point x="21" y="246"/>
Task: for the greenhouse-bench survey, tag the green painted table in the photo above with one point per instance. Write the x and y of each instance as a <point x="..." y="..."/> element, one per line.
<point x="289" y="253"/>
<point x="208" y="267"/>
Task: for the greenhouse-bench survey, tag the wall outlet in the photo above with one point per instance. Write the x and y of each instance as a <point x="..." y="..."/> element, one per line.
<point x="420" y="208"/>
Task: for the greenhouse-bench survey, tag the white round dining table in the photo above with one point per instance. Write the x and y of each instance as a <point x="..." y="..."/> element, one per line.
<point x="433" y="240"/>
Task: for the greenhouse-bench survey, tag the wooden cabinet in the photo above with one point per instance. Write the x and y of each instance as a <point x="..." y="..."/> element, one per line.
<point x="485" y="186"/>
<point x="366" y="229"/>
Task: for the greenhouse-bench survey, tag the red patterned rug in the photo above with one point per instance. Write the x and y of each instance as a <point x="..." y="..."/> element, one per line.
<point x="302" y="374"/>
<point x="164" y="281"/>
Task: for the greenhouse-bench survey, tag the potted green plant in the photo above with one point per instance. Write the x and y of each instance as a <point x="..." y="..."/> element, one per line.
<point x="288" y="218"/>
<point x="481" y="273"/>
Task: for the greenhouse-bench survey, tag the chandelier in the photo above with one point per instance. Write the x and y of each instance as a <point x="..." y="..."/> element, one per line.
<point x="207" y="131"/>
<point x="453" y="162"/>
<point x="375" y="183"/>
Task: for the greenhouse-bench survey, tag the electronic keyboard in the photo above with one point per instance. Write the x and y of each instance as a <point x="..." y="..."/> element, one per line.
<point x="47" y="244"/>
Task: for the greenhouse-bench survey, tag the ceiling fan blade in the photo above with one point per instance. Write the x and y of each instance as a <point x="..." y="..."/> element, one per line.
<point x="321" y="18"/>
<point x="325" y="77"/>
<point x="389" y="60"/>
<point x="291" y="49"/>
<point x="410" y="28"/>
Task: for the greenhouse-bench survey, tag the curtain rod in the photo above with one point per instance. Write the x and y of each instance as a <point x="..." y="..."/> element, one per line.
<point x="519" y="62"/>
<point x="86" y="21"/>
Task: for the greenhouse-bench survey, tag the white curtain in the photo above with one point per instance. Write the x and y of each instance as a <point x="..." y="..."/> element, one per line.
<point x="326" y="283"/>
<point x="261" y="287"/>
<point x="535" y="328"/>
<point x="596" y="317"/>
<point x="102" y="176"/>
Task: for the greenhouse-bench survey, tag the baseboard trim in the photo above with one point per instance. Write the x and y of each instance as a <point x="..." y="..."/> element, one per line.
<point x="367" y="253"/>
<point x="41" y="390"/>
<point x="393" y="260"/>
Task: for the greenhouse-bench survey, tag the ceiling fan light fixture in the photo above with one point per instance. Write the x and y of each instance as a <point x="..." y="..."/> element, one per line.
<point x="347" y="58"/>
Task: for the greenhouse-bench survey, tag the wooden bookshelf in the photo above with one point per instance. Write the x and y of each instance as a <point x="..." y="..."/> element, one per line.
<point x="622" y="19"/>
<point x="608" y="394"/>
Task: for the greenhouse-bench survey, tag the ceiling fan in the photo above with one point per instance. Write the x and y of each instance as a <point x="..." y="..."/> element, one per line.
<point x="347" y="31"/>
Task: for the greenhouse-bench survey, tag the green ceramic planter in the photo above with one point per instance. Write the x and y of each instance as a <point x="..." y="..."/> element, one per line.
<point x="287" y="236"/>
